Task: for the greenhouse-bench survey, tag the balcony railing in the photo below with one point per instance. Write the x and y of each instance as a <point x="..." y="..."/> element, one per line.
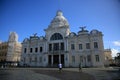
<point x="57" y="52"/>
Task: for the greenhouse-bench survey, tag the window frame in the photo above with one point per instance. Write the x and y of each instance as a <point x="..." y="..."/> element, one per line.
<point x="97" y="58"/>
<point x="72" y="46"/>
<point x="41" y="49"/>
<point x="36" y="49"/>
<point x="96" y="45"/>
<point x="25" y="50"/>
<point x="80" y="46"/>
<point x="87" y="45"/>
<point x="56" y="36"/>
<point x="31" y="50"/>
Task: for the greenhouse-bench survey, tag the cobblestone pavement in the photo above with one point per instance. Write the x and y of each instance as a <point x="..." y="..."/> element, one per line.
<point x="65" y="75"/>
<point x="101" y="73"/>
<point x="104" y="73"/>
<point x="54" y="74"/>
<point x="22" y="74"/>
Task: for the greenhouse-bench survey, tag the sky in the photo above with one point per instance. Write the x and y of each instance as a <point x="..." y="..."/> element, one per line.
<point x="26" y="17"/>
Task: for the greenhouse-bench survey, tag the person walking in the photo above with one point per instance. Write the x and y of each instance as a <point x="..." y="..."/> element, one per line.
<point x="60" y="67"/>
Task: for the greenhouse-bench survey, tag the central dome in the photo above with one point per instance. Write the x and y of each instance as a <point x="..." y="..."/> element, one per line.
<point x="59" y="20"/>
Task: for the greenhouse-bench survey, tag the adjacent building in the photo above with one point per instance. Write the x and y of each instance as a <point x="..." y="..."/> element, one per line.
<point x="60" y="45"/>
<point x="3" y="51"/>
<point x="108" y="57"/>
<point x="10" y="52"/>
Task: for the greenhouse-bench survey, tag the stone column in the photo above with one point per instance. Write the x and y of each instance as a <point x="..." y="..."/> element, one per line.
<point x="52" y="46"/>
<point x="59" y="58"/>
<point x="66" y="44"/>
<point x="59" y="53"/>
<point x="51" y="60"/>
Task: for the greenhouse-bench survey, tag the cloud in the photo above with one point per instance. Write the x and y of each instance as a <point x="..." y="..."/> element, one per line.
<point x="116" y="43"/>
<point x="114" y="52"/>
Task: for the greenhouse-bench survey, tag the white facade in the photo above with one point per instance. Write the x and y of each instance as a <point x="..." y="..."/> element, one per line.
<point x="59" y="45"/>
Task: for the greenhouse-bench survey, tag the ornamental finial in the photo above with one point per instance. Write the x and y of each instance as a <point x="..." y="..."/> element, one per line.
<point x="83" y="28"/>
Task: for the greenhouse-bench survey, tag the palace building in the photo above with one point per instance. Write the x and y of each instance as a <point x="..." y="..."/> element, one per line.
<point x="60" y="45"/>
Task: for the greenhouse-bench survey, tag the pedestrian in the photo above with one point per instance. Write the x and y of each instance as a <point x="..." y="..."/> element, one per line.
<point x="80" y="67"/>
<point x="60" y="67"/>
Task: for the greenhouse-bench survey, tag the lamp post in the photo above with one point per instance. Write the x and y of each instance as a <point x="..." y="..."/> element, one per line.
<point x="59" y="54"/>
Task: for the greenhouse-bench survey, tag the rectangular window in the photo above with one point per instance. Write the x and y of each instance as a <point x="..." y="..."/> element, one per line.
<point x="72" y="47"/>
<point x="87" y="45"/>
<point x="62" y="46"/>
<point x="30" y="50"/>
<point x="80" y="46"/>
<point x="73" y="59"/>
<point x="36" y="49"/>
<point x="97" y="58"/>
<point x="25" y="50"/>
<point x="56" y="46"/>
<point x="95" y="45"/>
<point x="50" y="47"/>
<point x="89" y="58"/>
<point x="41" y="49"/>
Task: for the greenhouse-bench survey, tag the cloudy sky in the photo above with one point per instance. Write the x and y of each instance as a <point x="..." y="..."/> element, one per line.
<point x="26" y="17"/>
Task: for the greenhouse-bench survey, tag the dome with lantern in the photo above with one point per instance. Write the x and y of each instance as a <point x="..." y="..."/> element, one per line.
<point x="59" y="20"/>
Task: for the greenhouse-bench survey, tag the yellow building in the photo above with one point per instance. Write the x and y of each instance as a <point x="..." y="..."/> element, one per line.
<point x="3" y="51"/>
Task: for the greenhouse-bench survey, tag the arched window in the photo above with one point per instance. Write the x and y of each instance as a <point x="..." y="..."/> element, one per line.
<point x="56" y="36"/>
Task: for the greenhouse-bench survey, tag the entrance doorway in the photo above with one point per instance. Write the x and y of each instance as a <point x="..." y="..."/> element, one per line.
<point x="49" y="60"/>
<point x="55" y="60"/>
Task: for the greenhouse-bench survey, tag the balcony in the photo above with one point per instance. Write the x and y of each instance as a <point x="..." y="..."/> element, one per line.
<point x="57" y="52"/>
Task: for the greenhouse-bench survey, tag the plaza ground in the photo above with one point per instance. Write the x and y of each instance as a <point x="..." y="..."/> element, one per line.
<point x="54" y="74"/>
